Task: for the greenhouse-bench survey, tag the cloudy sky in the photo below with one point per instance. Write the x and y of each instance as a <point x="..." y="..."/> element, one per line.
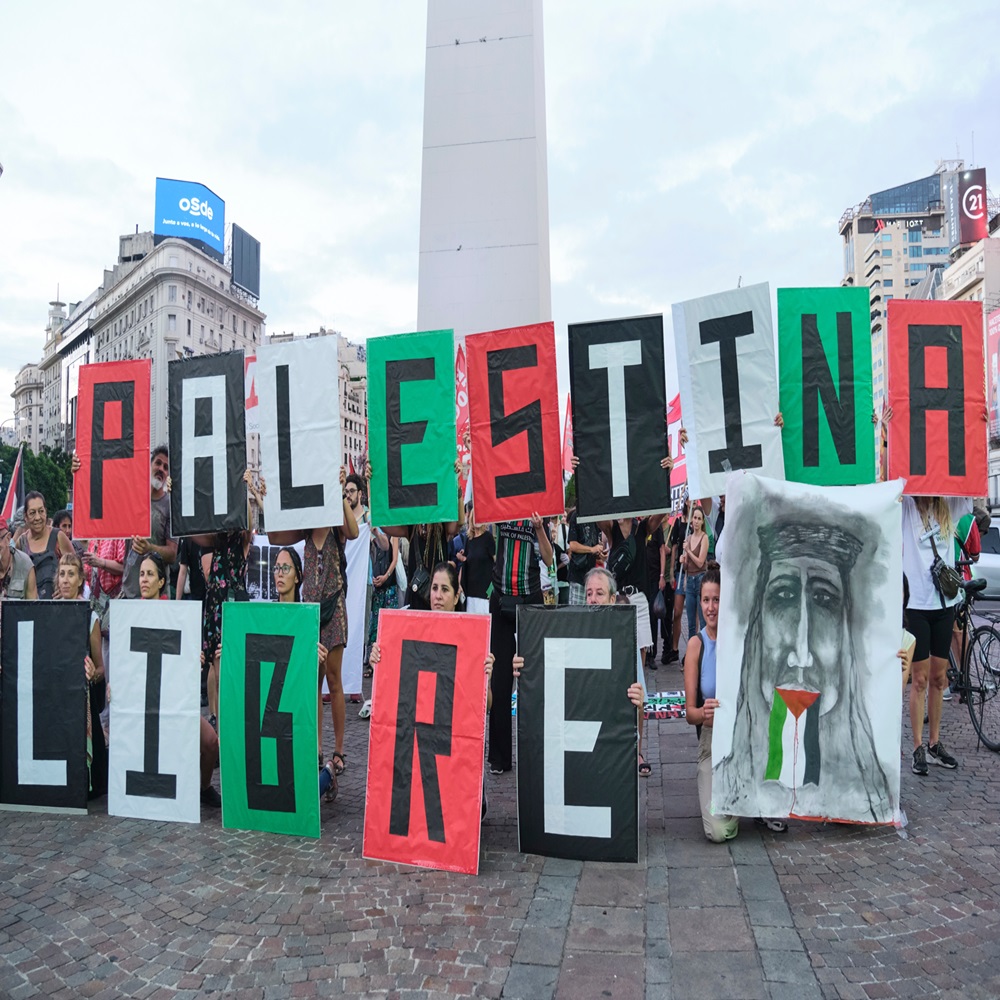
<point x="689" y="144"/>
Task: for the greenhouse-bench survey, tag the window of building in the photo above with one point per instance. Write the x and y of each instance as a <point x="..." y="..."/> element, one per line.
<point x="914" y="236"/>
<point x="887" y="237"/>
<point x="886" y="253"/>
<point x="189" y="328"/>
<point x="189" y="300"/>
<point x="244" y="328"/>
<point x="918" y="267"/>
<point x="887" y="282"/>
<point x="171" y="322"/>
<point x="171" y="293"/>
<point x="916" y="251"/>
<point x="201" y="336"/>
<point x="172" y="260"/>
<point x="889" y="298"/>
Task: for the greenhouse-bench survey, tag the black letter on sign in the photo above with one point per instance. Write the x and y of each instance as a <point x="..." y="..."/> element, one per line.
<point x="276" y="649"/>
<point x="432" y="740"/>
<point x="155" y="643"/>
<point x="723" y="331"/>
<point x="528" y="420"/>
<point x="102" y="450"/>
<point x="817" y="384"/>
<point x="292" y="497"/>
<point x="397" y="433"/>
<point x="951" y="398"/>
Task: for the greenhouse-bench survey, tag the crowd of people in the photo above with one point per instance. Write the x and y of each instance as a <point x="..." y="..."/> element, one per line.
<point x="666" y="569"/>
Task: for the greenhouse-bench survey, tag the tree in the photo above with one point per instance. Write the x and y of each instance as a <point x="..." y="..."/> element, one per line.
<point x="48" y="473"/>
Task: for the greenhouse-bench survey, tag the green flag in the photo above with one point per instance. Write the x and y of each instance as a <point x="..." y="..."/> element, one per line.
<point x="825" y="366"/>
<point x="411" y="428"/>
<point x="269" y="688"/>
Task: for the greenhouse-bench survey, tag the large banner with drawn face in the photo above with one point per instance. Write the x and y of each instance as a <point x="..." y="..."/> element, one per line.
<point x="619" y="395"/>
<point x="300" y="438"/>
<point x="425" y="761"/>
<point x="43" y="705"/>
<point x="514" y="413"/>
<point x="208" y="444"/>
<point x="825" y="365"/>
<point x="577" y="778"/>
<point x="807" y="670"/>
<point x="154" y="770"/>
<point x="729" y="390"/>
<point x="937" y="434"/>
<point x="411" y="428"/>
<point x="111" y="490"/>
<point x="267" y="717"/>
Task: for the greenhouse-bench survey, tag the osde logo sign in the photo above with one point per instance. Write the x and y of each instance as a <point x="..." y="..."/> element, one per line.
<point x="196" y="207"/>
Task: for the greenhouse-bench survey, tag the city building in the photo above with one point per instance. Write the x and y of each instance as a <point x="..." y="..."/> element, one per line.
<point x="892" y="241"/>
<point x="28" y="418"/>
<point x="164" y="301"/>
<point x="353" y="392"/>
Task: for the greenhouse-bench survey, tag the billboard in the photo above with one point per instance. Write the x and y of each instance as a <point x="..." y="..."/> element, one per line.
<point x="192" y="212"/>
<point x="246" y="261"/>
<point x="972" y="205"/>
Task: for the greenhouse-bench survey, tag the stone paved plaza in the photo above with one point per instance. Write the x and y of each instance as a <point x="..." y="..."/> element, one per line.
<point x="104" y="907"/>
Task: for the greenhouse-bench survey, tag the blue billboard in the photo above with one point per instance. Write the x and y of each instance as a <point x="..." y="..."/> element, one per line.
<point x="192" y="212"/>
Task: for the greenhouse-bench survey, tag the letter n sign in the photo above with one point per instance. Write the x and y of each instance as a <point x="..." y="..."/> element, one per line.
<point x="425" y="762"/>
<point x="112" y="442"/>
<point x="411" y="427"/>
<point x="825" y="385"/>
<point x="514" y="417"/>
<point x="937" y="434"/>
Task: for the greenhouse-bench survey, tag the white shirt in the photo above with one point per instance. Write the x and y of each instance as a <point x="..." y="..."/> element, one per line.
<point x="918" y="555"/>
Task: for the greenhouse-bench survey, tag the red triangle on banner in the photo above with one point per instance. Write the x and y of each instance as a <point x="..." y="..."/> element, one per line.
<point x="797" y="700"/>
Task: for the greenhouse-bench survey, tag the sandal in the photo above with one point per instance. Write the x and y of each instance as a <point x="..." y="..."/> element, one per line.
<point x="331" y="792"/>
<point x="367" y="672"/>
<point x="774" y="825"/>
<point x="339" y="762"/>
<point x="645" y="769"/>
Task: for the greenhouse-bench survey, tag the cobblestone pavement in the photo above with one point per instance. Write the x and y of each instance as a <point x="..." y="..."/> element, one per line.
<point x="105" y="907"/>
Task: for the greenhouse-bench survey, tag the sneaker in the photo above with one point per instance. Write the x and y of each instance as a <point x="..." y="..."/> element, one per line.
<point x="211" y="798"/>
<point x="366" y="710"/>
<point x="920" y="760"/>
<point x="946" y="696"/>
<point x="673" y="657"/>
<point x="941" y="757"/>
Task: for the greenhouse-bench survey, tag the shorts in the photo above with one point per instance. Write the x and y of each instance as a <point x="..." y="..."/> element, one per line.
<point x="932" y="630"/>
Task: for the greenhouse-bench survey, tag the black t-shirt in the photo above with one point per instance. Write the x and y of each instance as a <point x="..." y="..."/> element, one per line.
<point x="189" y="554"/>
<point x="586" y="534"/>
<point x="635" y="576"/>
<point x="654" y="539"/>
<point x="677" y="535"/>
<point x="477" y="570"/>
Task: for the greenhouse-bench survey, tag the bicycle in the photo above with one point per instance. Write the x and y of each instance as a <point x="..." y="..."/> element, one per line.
<point x="977" y="682"/>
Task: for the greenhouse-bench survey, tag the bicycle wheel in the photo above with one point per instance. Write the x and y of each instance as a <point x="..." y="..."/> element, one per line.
<point x="983" y="694"/>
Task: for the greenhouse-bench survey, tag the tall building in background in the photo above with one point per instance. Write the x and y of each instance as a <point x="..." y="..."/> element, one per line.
<point x="162" y="300"/>
<point x="484" y="216"/>
<point x="28" y="407"/>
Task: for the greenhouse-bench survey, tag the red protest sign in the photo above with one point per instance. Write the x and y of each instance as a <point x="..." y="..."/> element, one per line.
<point x="514" y="413"/>
<point x="937" y="434"/>
<point x="111" y="489"/>
<point x="425" y="760"/>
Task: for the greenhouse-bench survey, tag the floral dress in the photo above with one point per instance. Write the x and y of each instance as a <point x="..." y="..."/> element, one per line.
<point x="324" y="579"/>
<point x="226" y="581"/>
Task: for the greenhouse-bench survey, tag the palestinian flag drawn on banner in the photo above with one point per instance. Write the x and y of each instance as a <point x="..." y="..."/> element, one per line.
<point x="793" y="738"/>
<point x="15" y="492"/>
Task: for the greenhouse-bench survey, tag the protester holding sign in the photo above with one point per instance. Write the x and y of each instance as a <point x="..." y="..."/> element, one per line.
<point x="69" y="587"/>
<point x="325" y="583"/>
<point x="43" y="543"/>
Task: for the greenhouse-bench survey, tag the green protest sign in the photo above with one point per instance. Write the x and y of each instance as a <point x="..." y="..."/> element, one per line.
<point x="825" y="376"/>
<point x="411" y="428"/>
<point x="267" y="717"/>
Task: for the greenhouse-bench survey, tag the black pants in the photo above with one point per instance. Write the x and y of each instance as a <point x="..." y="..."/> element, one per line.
<point x="503" y="647"/>
<point x="664" y="628"/>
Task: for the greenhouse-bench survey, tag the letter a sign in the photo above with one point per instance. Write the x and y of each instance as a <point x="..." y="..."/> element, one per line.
<point x="937" y="434"/>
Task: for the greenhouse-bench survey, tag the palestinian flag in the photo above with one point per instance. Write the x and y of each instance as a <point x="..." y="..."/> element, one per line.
<point x="793" y="738"/>
<point x="15" y="491"/>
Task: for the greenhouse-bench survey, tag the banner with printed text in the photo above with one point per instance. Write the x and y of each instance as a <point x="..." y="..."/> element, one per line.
<point x="619" y="397"/>
<point x="825" y="366"/>
<point x="423" y="799"/>
<point x="111" y="490"/>
<point x="725" y="355"/>
<point x="267" y="717"/>
<point x="514" y="413"/>
<point x="937" y="433"/>
<point x="411" y="428"/>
